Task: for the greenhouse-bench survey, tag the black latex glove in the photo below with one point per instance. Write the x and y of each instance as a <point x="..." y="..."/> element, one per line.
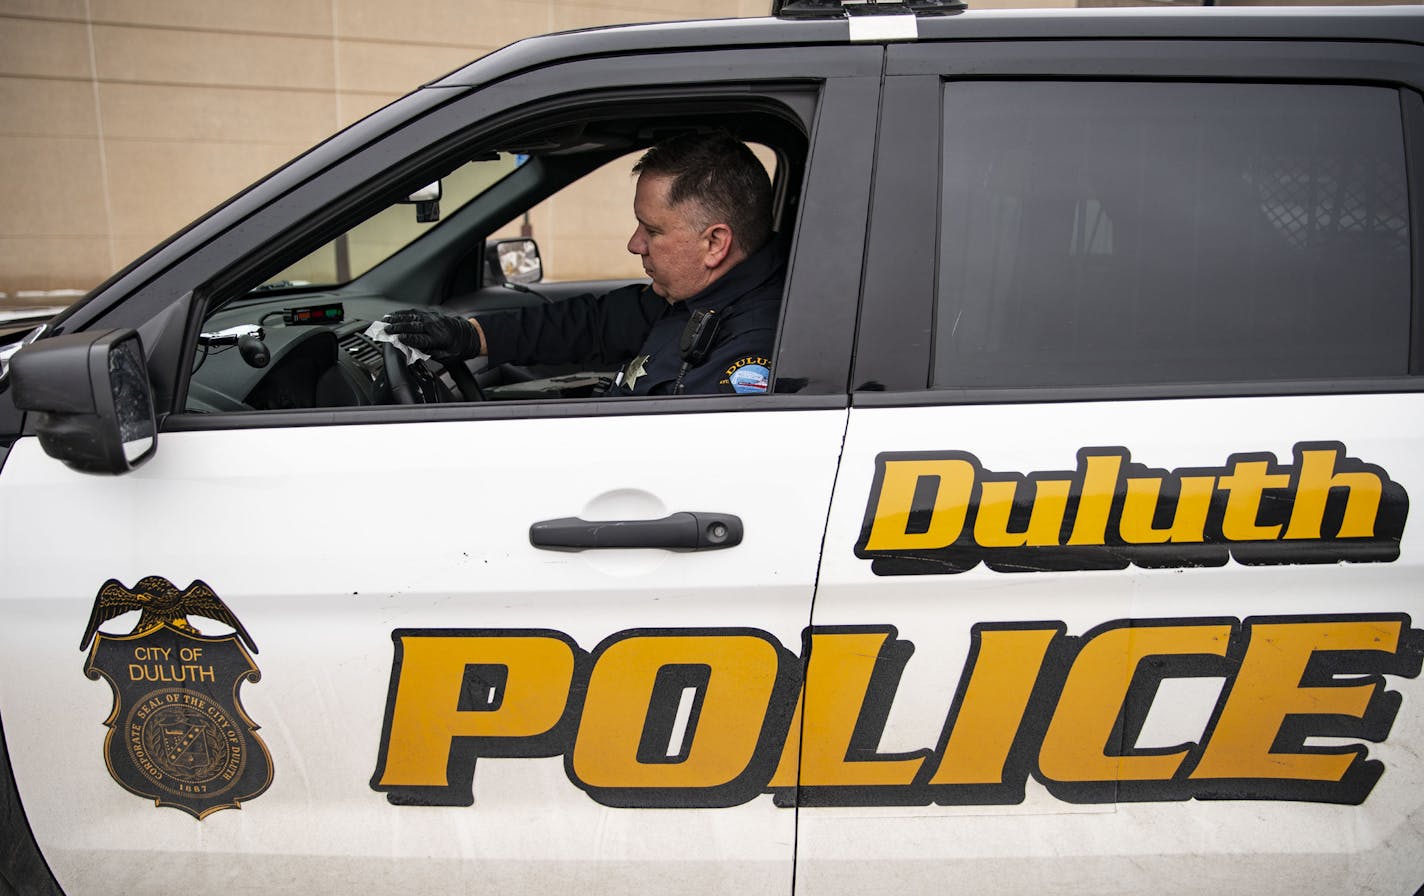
<point x="439" y="335"/>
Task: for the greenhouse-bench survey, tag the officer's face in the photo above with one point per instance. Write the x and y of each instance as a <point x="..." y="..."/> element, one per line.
<point x="681" y="260"/>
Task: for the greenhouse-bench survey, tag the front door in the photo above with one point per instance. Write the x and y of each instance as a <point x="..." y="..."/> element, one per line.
<point x="438" y="703"/>
<point x="397" y="650"/>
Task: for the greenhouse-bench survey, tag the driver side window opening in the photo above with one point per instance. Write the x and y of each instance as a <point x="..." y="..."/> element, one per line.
<point x="567" y="178"/>
<point x="385" y="233"/>
<point x="582" y="231"/>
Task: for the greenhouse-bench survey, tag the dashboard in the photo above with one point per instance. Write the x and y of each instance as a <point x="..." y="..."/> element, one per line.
<point x="318" y="355"/>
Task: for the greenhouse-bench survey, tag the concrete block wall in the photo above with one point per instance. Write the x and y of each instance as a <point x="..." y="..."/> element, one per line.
<point x="123" y="120"/>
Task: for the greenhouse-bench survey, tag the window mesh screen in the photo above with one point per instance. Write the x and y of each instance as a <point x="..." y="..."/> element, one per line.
<point x="1108" y="234"/>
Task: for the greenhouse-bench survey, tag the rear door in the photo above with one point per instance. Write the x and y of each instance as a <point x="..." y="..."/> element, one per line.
<point x="1120" y="590"/>
<point x="408" y="694"/>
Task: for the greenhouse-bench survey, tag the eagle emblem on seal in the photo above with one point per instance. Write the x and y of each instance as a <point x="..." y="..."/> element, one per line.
<point x="178" y="734"/>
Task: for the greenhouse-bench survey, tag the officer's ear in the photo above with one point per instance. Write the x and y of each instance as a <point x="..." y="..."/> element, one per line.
<point x="717" y="243"/>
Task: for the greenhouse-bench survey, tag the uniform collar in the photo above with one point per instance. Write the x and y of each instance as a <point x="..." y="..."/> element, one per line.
<point x="751" y="272"/>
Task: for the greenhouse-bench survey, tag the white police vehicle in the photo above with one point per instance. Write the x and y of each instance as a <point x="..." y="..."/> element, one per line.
<point x="1068" y="553"/>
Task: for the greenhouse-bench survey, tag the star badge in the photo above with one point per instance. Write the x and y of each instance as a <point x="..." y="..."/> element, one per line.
<point x="636" y="368"/>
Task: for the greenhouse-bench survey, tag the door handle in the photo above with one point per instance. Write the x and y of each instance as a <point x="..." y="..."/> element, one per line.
<point x="682" y="531"/>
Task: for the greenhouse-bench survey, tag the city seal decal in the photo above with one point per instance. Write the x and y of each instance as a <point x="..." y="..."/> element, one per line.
<point x="177" y="734"/>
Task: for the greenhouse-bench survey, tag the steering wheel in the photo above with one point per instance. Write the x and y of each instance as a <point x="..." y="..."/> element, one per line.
<point x="415" y="384"/>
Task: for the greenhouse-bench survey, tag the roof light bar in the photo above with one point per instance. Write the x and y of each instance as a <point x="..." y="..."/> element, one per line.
<point x="834" y="9"/>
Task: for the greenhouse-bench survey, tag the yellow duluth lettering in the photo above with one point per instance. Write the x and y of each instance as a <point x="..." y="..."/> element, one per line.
<point x="946" y="513"/>
<point x="715" y="717"/>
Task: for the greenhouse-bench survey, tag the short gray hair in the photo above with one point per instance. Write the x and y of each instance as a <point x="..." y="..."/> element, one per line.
<point x="722" y="176"/>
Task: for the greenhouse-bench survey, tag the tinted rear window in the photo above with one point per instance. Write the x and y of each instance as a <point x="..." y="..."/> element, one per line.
<point x="1119" y="233"/>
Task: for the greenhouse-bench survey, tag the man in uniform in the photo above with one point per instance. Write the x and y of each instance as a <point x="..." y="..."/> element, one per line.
<point x="703" y="206"/>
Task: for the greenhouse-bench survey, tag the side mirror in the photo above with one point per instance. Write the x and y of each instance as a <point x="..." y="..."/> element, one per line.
<point x="427" y="203"/>
<point x="514" y="261"/>
<point x="92" y="399"/>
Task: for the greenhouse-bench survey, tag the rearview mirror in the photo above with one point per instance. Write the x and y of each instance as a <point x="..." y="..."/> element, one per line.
<point x="427" y="203"/>
<point x="427" y="193"/>
<point x="92" y="399"/>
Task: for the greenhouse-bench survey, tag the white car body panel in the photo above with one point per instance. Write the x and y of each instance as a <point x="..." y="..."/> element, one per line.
<point x="1168" y="846"/>
<point x="323" y="541"/>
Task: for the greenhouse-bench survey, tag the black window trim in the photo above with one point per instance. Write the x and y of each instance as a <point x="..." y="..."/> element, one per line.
<point x="1154" y="392"/>
<point x="541" y="409"/>
<point x="1412" y="110"/>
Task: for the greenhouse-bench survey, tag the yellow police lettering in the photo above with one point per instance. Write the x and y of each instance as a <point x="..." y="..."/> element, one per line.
<point x="841" y="685"/>
<point x="786" y="775"/>
<point x="1077" y="745"/>
<point x="426" y="717"/>
<point x="1000" y="681"/>
<point x="741" y="677"/>
<point x="713" y="717"/>
<point x="1268" y="689"/>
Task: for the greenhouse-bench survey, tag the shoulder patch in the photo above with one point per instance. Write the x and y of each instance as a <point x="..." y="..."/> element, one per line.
<point x="751" y="374"/>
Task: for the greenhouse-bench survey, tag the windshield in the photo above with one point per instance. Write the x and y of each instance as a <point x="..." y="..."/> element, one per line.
<point x="387" y="232"/>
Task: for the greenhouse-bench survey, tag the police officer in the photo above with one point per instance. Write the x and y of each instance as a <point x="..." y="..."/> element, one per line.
<point x="703" y="205"/>
<point x="704" y="210"/>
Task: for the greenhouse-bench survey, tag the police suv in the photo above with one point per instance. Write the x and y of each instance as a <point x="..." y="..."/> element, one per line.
<point x="1067" y="551"/>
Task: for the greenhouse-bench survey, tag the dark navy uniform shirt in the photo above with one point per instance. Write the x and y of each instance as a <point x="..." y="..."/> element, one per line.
<point x="638" y="331"/>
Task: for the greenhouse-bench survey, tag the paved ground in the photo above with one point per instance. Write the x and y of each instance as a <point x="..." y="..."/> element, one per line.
<point x="15" y="305"/>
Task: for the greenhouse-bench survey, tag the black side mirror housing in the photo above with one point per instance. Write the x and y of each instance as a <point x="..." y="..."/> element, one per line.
<point x="513" y="262"/>
<point x="92" y="399"/>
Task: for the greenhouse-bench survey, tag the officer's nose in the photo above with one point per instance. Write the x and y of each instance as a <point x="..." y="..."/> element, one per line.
<point x="637" y="243"/>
